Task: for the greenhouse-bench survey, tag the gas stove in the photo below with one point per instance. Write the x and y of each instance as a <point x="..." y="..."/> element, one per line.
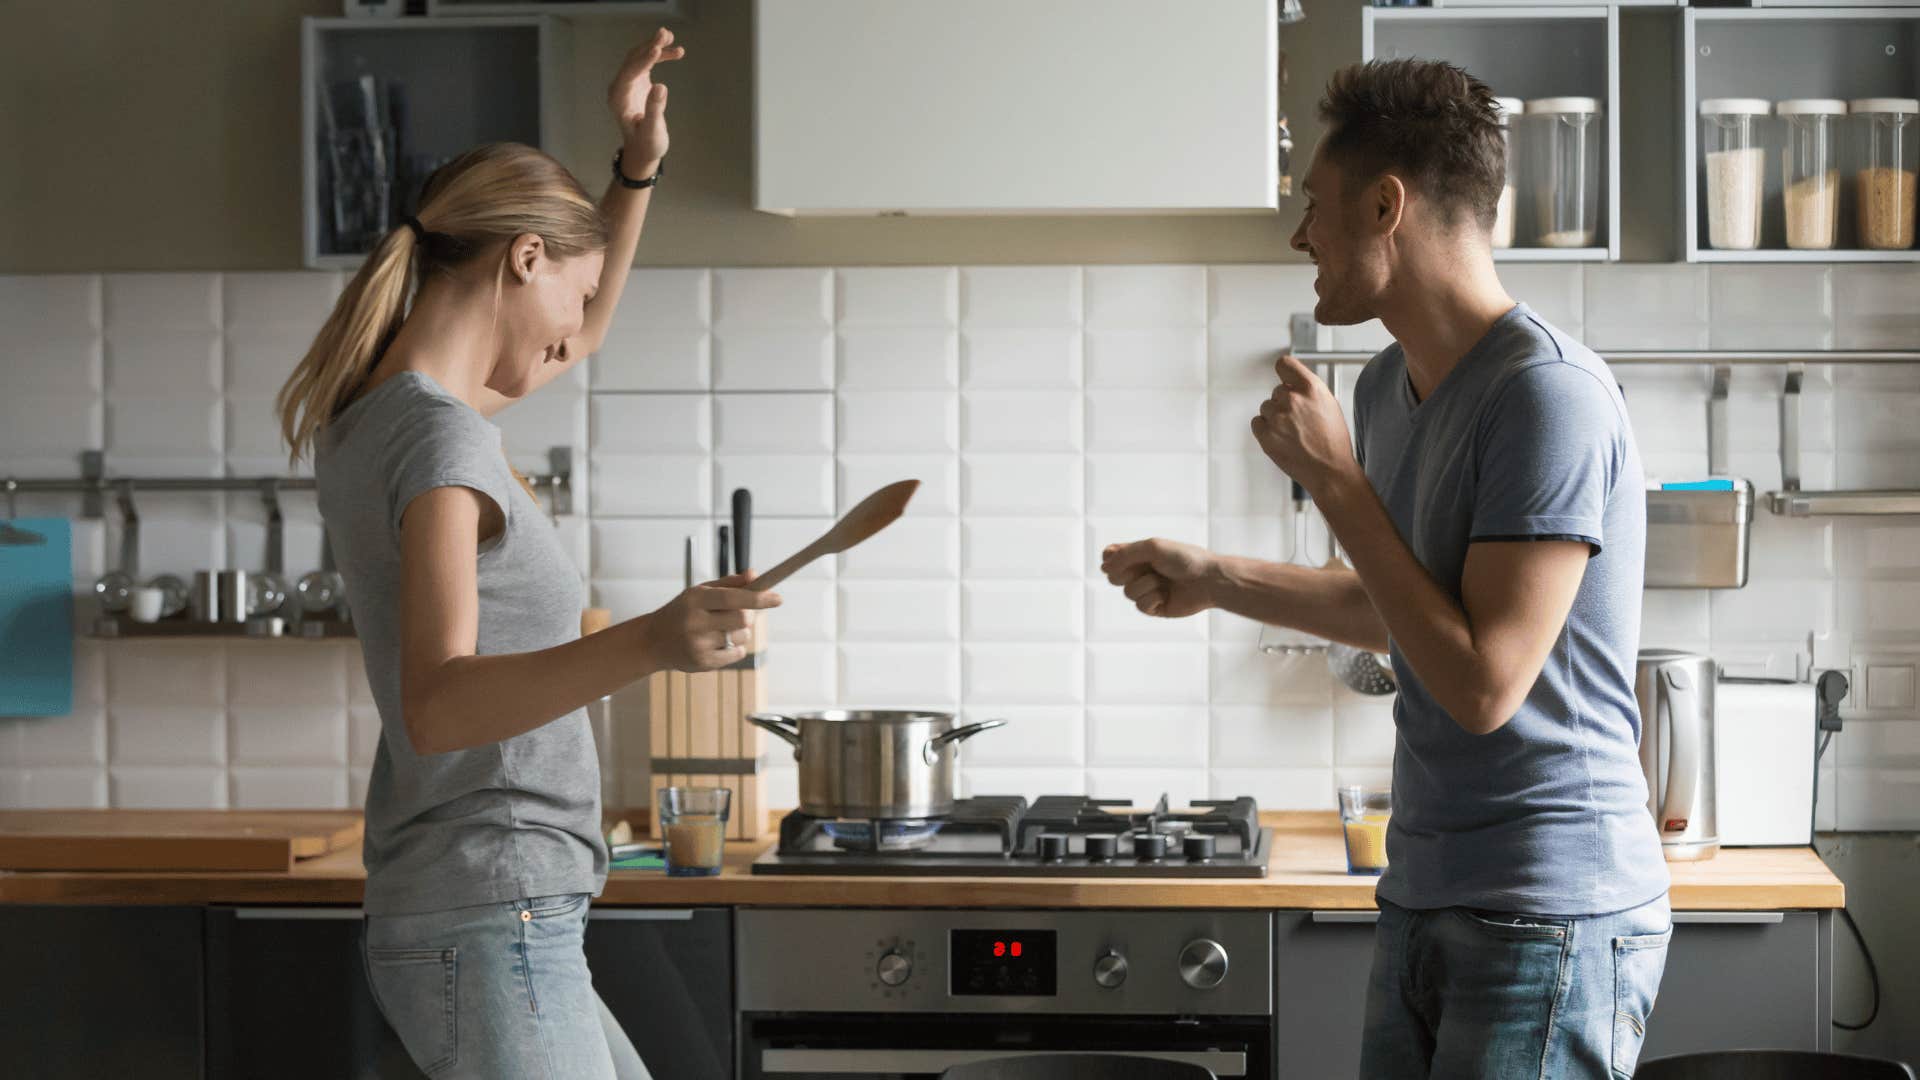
<point x="1054" y="836"/>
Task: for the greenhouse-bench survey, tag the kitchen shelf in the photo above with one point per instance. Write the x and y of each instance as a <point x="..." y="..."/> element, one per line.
<point x="1843" y="503"/>
<point x="462" y="81"/>
<point x="1779" y="53"/>
<point x="263" y="628"/>
<point x="1526" y="51"/>
<point x="651" y="9"/>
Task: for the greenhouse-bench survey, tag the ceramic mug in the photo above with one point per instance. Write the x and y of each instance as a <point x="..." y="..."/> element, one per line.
<point x="146" y="603"/>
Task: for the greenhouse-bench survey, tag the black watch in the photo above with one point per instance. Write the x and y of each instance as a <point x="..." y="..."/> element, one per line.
<point x="636" y="185"/>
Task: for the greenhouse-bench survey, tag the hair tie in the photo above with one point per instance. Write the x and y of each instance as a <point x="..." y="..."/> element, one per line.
<point x="419" y="230"/>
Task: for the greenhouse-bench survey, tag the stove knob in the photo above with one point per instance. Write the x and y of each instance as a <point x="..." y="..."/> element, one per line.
<point x="1101" y="847"/>
<point x="1110" y="970"/>
<point x="1203" y="964"/>
<point x="1197" y="847"/>
<point x="1053" y="847"/>
<point x="895" y="968"/>
<point x="1150" y="846"/>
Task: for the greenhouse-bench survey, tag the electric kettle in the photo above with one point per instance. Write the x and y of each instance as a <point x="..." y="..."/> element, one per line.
<point x="1675" y="692"/>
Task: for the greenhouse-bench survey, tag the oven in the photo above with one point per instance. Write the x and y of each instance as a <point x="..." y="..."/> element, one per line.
<point x="904" y="995"/>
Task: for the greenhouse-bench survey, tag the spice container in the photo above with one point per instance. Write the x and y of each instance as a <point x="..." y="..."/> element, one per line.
<point x="1888" y="138"/>
<point x="1508" y="108"/>
<point x="1734" y="164"/>
<point x="1810" y="170"/>
<point x="1562" y="142"/>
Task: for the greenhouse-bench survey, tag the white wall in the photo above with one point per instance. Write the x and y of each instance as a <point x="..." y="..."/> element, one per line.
<point x="1050" y="410"/>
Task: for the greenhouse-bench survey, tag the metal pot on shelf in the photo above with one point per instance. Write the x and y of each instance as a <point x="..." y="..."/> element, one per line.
<point x="882" y="764"/>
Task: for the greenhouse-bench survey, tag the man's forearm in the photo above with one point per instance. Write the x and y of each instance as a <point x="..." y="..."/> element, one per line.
<point x="1329" y="603"/>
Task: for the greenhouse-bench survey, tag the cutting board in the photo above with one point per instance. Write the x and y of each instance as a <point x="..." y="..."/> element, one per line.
<point x="36" y="622"/>
<point x="171" y="839"/>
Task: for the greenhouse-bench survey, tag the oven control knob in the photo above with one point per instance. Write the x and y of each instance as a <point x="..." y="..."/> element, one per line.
<point x="1053" y="846"/>
<point x="1102" y="846"/>
<point x="1203" y="964"/>
<point x="1198" y="847"/>
<point x="1110" y="970"/>
<point x="1150" y="846"/>
<point x="894" y="968"/>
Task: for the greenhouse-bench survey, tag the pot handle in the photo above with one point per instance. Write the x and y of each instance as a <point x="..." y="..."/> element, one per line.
<point x="958" y="735"/>
<point x="784" y="726"/>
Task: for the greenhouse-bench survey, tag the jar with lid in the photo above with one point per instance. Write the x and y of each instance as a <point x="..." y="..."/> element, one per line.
<point x="1562" y="141"/>
<point x="1810" y="170"/>
<point x="1507" y="108"/>
<point x="1887" y="137"/>
<point x="1734" y="165"/>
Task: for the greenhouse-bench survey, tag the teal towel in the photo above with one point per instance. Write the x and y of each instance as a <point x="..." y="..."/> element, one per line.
<point x="1699" y="485"/>
<point x="36" y="622"/>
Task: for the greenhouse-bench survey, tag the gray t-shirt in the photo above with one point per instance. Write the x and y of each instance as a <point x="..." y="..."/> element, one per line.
<point x="514" y="819"/>
<point x="1527" y="438"/>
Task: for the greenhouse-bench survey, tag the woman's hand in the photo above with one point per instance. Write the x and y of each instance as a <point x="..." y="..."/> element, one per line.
<point x="708" y="626"/>
<point x="640" y="105"/>
<point x="1301" y="429"/>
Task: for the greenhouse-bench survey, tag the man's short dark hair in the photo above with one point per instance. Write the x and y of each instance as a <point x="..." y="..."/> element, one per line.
<point x="1426" y="120"/>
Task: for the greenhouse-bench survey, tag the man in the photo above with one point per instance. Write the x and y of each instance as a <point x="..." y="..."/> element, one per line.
<point x="1495" y="518"/>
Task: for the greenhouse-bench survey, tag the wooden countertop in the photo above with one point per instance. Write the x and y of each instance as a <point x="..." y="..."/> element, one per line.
<point x="1307" y="871"/>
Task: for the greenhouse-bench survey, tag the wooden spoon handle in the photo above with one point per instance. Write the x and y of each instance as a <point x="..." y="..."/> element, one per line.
<point x="794" y="564"/>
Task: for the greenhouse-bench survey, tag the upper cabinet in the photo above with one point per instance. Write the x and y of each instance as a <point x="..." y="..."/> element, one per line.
<point x="1011" y="106"/>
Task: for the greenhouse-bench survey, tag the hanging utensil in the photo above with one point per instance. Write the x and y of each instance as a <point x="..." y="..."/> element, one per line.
<point x="1285" y="640"/>
<point x="12" y="535"/>
<point x="875" y="512"/>
<point x="1362" y="670"/>
<point x="115" y="587"/>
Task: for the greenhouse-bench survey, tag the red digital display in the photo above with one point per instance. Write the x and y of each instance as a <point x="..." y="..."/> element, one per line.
<point x="1002" y="948"/>
<point x="1003" y="963"/>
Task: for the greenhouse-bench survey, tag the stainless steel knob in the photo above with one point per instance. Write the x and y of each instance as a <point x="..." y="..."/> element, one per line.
<point x="1101" y="847"/>
<point x="1053" y="847"/>
<point x="1203" y="964"/>
<point x="894" y="968"/>
<point x="1110" y="970"/>
<point x="1149" y="846"/>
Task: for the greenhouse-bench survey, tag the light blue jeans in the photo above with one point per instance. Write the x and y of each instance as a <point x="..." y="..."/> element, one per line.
<point x="1484" y="995"/>
<point x="497" y="991"/>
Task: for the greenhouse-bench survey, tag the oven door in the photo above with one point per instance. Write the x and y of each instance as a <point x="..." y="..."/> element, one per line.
<point x="833" y="1047"/>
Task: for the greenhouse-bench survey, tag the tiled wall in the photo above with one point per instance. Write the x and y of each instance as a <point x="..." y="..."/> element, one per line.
<point x="1048" y="410"/>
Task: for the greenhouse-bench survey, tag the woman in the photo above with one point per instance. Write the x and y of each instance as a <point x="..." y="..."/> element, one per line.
<point x="483" y="814"/>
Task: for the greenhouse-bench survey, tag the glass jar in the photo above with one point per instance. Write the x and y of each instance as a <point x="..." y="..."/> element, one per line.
<point x="1887" y="133"/>
<point x="1733" y="166"/>
<point x="1563" y="137"/>
<point x="1810" y="170"/>
<point x="1507" y="107"/>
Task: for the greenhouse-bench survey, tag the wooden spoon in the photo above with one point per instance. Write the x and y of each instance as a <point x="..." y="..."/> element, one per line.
<point x="875" y="512"/>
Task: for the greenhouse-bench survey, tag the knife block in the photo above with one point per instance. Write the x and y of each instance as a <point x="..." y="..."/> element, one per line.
<point x="698" y="734"/>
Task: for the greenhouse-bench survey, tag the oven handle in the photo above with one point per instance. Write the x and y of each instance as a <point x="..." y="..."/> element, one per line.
<point x="782" y="1062"/>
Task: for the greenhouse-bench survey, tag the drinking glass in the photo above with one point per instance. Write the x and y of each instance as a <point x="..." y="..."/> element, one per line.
<point x="1363" y="817"/>
<point x="693" y="821"/>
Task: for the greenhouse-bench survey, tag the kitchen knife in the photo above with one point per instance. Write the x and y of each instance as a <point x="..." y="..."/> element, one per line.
<point x="689" y="567"/>
<point x="723" y="553"/>
<point x="742" y="523"/>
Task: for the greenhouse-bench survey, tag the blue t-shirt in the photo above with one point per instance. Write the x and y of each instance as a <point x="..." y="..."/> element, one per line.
<point x="1525" y="439"/>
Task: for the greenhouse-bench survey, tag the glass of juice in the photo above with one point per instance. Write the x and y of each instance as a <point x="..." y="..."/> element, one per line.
<point x="1363" y="817"/>
<point x="693" y="821"/>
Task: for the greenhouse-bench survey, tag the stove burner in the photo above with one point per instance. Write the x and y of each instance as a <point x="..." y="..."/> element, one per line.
<point x="905" y="835"/>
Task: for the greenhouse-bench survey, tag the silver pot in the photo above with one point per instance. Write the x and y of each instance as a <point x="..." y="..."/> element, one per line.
<point x="879" y="764"/>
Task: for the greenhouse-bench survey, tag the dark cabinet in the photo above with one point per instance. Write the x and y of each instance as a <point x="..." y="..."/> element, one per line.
<point x="1734" y="979"/>
<point x="100" y="991"/>
<point x="667" y="976"/>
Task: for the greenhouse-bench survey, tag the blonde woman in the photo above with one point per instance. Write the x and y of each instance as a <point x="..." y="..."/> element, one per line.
<point x="483" y="841"/>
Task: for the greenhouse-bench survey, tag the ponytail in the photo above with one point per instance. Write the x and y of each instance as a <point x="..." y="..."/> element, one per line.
<point x="364" y="321"/>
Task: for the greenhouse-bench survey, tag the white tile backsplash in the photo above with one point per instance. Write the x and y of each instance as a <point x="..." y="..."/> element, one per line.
<point x="1049" y="411"/>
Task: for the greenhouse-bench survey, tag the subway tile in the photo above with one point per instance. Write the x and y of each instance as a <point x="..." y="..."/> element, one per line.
<point x="255" y="358"/>
<point x="1121" y="296"/>
<point x="1277" y="788"/>
<point x="176" y="542"/>
<point x="807" y="674"/>
<point x="651" y="485"/>
<point x="287" y="735"/>
<point x="1675" y="618"/>
<point x="54" y="787"/>
<point x="1020" y="296"/>
<point x="167" y="735"/>
<point x="1645" y="306"/>
<point x="1774" y="609"/>
<point x="148" y="673"/>
<point x="1140" y="358"/>
<point x="1873" y="548"/>
<point x="254" y="446"/>
<point x="1879" y="418"/>
<point x="659" y="360"/>
<point x="1874" y="307"/>
<point x="1167" y="736"/>
<point x="809" y="611"/>
<point x="148" y="302"/>
<point x="1028" y="781"/>
<point x="1002" y="611"/>
<point x="898" y="296"/>
<point x="1021" y="359"/>
<point x="1030" y="674"/>
<point x="1879" y="798"/>
<point x="1787" y="548"/>
<point x="1753" y="409"/>
<point x="1022" y="485"/>
<point x="1026" y="421"/>
<point x="1240" y="675"/>
<point x="269" y="675"/>
<point x="76" y="739"/>
<point x="1033" y="548"/>
<point x="1554" y="292"/>
<point x="1181" y="786"/>
<point x="289" y="788"/>
<point x="1156" y="674"/>
<point x="887" y="612"/>
<point x="785" y="359"/>
<point x="1277" y="736"/>
<point x="1034" y="735"/>
<point x="1887" y="610"/>
<point x="1667" y="407"/>
<point x="45" y="434"/>
<point x="899" y="676"/>
<point x="1243" y="357"/>
<point x="56" y="367"/>
<point x="1259" y="295"/>
<point x="1113" y="617"/>
<point x="1373" y="776"/>
<point x="175" y="436"/>
<point x="530" y="427"/>
<point x="1108" y="530"/>
<point x="1167" y="483"/>
<point x="147" y="787"/>
<point x="1147" y="420"/>
<point x="773" y="423"/>
<point x="651" y="548"/>
<point x="1247" y="483"/>
<point x="1230" y="419"/>
<point x="1893" y="744"/>
<point x="773" y="297"/>
<point x="899" y="421"/>
<point x="364" y="733"/>
<point x="783" y="485"/>
<point x="914" y="547"/>
<point x="90" y="670"/>
<point x="296" y="299"/>
<point x="1369" y="336"/>
<point x="898" y="358"/>
<point x="939" y="475"/>
<point x="680" y="299"/>
<point x="1826" y="817"/>
<point x="1771" y="307"/>
<point x="1363" y="729"/>
<point x="628" y="598"/>
<point x="38" y="306"/>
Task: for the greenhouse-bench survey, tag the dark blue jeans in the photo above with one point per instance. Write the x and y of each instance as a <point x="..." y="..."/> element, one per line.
<point x="1478" y="995"/>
